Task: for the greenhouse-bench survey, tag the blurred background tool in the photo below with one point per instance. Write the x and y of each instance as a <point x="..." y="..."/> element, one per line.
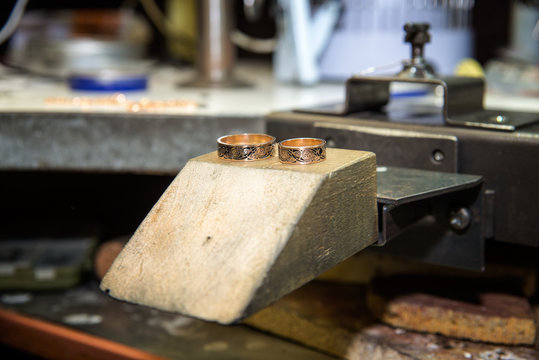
<point x="369" y="34"/>
<point x="516" y="69"/>
<point x="418" y="36"/>
<point x="66" y="42"/>
<point x="216" y="55"/>
<point x="303" y="33"/>
<point x="43" y="263"/>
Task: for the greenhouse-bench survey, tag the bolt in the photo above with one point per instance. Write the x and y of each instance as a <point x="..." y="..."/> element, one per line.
<point x="499" y="119"/>
<point x="418" y="35"/>
<point x="438" y="156"/>
<point x="460" y="219"/>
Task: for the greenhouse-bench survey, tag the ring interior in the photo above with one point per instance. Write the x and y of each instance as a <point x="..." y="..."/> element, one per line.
<point x="302" y="142"/>
<point x="246" y="139"/>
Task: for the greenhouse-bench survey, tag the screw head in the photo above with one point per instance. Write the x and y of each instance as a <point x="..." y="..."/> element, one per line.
<point x="500" y="119"/>
<point x="461" y="219"/>
<point x="438" y="156"/>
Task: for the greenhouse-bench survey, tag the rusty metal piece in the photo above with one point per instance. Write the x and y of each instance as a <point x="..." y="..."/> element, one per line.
<point x="478" y="311"/>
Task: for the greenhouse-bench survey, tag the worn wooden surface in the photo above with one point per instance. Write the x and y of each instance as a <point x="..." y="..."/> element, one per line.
<point x="323" y="315"/>
<point x="228" y="238"/>
<point x="477" y="310"/>
<point x="334" y="318"/>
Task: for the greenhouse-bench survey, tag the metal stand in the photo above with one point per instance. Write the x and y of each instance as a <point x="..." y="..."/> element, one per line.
<point x="216" y="55"/>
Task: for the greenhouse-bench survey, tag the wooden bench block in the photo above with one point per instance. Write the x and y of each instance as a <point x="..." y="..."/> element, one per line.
<point x="228" y="238"/>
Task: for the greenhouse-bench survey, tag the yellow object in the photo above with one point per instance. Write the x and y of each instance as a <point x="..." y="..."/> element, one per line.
<point x="182" y="16"/>
<point x="469" y="68"/>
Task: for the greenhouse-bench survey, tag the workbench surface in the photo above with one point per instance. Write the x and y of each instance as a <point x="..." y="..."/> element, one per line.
<point x="20" y="92"/>
<point x="85" y="310"/>
<point x="46" y="126"/>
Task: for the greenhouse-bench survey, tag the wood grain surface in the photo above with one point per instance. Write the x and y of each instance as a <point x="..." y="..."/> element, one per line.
<point x="228" y="238"/>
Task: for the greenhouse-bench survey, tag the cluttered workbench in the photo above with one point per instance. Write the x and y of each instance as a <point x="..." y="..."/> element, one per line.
<point x="126" y="235"/>
<point x="55" y="133"/>
<point x="152" y="131"/>
<point x="79" y="135"/>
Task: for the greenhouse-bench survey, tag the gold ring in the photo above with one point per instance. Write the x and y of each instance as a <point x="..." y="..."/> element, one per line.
<point x="302" y="151"/>
<point x="245" y="147"/>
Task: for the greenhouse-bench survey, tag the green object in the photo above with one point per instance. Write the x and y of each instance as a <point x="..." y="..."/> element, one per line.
<point x="43" y="263"/>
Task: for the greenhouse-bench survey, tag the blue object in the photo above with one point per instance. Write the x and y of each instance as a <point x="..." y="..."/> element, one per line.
<point x="409" y="93"/>
<point x="108" y="84"/>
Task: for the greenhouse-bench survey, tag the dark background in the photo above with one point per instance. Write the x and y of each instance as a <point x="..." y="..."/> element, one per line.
<point x="490" y="22"/>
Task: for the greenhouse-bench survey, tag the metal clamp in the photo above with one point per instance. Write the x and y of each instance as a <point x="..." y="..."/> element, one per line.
<point x="433" y="216"/>
<point x="462" y="101"/>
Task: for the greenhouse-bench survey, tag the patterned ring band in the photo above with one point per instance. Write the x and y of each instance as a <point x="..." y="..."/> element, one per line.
<point x="245" y="147"/>
<point x="302" y="151"/>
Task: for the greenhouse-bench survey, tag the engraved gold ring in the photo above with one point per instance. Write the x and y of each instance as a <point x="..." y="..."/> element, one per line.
<point x="245" y="147"/>
<point x="302" y="151"/>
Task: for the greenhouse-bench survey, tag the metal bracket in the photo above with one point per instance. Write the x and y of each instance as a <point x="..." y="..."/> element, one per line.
<point x="410" y="149"/>
<point x="432" y="216"/>
<point x="462" y="101"/>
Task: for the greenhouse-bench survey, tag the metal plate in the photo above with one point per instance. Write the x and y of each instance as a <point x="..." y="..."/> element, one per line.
<point x="395" y="147"/>
<point x="496" y="119"/>
<point x="136" y="143"/>
<point x="507" y="160"/>
<point x="430" y="238"/>
<point x="402" y="185"/>
<point x="462" y="102"/>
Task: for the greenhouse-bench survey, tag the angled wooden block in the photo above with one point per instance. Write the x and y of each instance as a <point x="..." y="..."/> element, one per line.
<point x="228" y="238"/>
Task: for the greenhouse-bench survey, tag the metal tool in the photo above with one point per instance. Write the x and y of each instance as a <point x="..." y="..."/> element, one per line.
<point x="417" y="35"/>
<point x="216" y="54"/>
<point x="452" y="135"/>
